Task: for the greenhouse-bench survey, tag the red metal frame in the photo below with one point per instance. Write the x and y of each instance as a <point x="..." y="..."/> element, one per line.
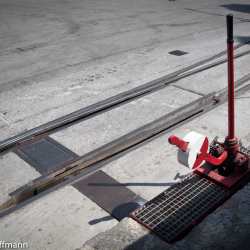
<point x="228" y="182"/>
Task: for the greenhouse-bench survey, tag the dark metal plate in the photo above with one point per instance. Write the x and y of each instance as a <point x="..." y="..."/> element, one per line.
<point x="178" y="53"/>
<point x="109" y="194"/>
<point x="44" y="154"/>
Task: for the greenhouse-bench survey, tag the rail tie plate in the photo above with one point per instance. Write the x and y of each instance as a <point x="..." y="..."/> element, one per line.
<point x="176" y="210"/>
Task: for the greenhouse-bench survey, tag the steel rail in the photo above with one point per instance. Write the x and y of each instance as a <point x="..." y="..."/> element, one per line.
<point x="119" y="146"/>
<point x="115" y="100"/>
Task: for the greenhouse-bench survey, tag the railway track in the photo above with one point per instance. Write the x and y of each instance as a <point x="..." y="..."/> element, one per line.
<point x="119" y="99"/>
<point x="95" y="160"/>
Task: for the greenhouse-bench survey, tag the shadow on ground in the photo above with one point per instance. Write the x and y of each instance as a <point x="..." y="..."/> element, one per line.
<point x="245" y="8"/>
<point x="242" y="39"/>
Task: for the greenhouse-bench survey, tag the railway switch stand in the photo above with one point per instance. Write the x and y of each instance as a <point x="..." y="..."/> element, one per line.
<point x="226" y="168"/>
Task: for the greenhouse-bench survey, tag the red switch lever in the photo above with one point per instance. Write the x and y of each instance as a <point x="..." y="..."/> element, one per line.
<point x="178" y="142"/>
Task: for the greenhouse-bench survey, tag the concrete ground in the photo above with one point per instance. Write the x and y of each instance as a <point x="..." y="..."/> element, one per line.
<point x="60" y="56"/>
<point x="67" y="219"/>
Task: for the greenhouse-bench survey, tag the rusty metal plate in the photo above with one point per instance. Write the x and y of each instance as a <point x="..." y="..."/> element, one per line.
<point x="112" y="196"/>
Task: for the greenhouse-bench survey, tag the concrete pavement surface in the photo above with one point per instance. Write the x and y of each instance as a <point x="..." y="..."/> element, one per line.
<point x="60" y="56"/>
<point x="154" y="163"/>
<point x="66" y="218"/>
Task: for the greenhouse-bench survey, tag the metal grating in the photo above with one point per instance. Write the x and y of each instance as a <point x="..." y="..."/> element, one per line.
<point x="170" y="213"/>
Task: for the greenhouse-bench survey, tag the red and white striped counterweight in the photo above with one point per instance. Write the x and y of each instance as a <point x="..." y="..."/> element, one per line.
<point x="227" y="160"/>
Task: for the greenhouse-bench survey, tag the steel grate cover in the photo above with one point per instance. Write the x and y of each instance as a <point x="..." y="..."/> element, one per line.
<point x="172" y="212"/>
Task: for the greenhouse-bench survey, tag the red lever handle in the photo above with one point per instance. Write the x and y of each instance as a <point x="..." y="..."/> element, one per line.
<point x="178" y="142"/>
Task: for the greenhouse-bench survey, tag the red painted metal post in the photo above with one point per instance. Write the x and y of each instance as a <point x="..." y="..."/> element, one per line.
<point x="230" y="58"/>
<point x="231" y="141"/>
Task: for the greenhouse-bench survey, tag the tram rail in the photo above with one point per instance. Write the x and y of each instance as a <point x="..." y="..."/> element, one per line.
<point x="118" y="99"/>
<point x="95" y="160"/>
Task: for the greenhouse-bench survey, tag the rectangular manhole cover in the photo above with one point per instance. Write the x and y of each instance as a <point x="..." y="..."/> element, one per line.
<point x="178" y="53"/>
<point x="173" y="212"/>
<point x="45" y="154"/>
